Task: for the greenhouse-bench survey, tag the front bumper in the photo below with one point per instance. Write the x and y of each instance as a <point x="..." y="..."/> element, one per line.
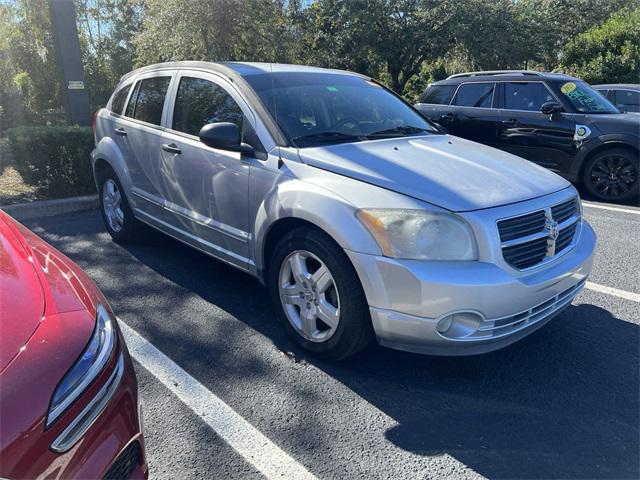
<point x="408" y="298"/>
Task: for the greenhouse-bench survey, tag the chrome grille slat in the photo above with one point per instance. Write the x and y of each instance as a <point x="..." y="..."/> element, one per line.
<point x="535" y="237"/>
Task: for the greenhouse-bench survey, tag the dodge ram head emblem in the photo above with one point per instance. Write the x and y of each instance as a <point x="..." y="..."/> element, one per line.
<point x="553" y="231"/>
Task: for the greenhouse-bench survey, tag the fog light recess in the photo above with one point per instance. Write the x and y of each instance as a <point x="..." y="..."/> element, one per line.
<point x="459" y="324"/>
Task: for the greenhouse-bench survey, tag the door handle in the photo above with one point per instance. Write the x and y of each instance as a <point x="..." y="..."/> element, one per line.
<point x="121" y="131"/>
<point x="512" y="122"/>
<point x="448" y="117"/>
<point x="171" y="148"/>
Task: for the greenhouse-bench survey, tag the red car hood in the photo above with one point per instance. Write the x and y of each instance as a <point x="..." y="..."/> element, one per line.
<point x="21" y="295"/>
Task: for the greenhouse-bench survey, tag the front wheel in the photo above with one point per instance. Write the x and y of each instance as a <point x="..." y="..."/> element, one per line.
<point x="318" y="296"/>
<point x="612" y="175"/>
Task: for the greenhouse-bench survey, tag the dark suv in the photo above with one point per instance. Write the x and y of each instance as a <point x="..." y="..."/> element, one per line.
<point x="554" y="120"/>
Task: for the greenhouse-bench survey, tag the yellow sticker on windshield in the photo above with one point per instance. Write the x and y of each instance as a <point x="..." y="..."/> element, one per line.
<point x="568" y="87"/>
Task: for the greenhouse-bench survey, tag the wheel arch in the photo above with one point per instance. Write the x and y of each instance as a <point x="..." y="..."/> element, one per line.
<point x="107" y="154"/>
<point x="295" y="204"/>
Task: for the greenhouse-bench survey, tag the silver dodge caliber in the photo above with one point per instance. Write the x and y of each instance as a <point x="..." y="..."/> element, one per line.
<point x="362" y="218"/>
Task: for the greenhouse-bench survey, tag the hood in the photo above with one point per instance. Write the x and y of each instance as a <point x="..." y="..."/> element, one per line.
<point x="21" y="296"/>
<point x="443" y="170"/>
<point x="614" y="122"/>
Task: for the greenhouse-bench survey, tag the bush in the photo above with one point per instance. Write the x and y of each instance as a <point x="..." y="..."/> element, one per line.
<point x="609" y="53"/>
<point x="54" y="159"/>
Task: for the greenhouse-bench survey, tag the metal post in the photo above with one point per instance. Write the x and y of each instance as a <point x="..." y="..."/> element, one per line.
<point x="65" y="32"/>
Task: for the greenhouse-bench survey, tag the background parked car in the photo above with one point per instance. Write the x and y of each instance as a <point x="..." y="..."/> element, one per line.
<point x="554" y="120"/>
<point x="625" y="96"/>
<point x="69" y="397"/>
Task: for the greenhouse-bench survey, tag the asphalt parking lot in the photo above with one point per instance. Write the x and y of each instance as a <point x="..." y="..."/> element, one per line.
<point x="562" y="403"/>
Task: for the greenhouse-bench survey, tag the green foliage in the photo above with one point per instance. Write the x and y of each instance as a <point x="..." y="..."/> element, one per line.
<point x="258" y="30"/>
<point x="106" y="29"/>
<point x="55" y="160"/>
<point x="28" y="69"/>
<point x="404" y="43"/>
<point x="609" y="53"/>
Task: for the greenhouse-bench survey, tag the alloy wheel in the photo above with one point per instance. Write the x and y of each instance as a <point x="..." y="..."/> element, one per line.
<point x="112" y="205"/>
<point x="613" y="175"/>
<point x="309" y="296"/>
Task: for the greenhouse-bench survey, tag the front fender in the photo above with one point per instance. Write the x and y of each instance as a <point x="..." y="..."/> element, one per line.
<point x="107" y="150"/>
<point x="297" y="199"/>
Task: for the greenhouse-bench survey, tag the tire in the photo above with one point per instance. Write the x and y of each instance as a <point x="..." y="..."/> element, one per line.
<point x="342" y="289"/>
<point x="113" y="201"/>
<point x="612" y="175"/>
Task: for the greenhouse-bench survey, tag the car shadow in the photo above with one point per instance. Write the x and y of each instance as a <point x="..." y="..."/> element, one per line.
<point x="561" y="403"/>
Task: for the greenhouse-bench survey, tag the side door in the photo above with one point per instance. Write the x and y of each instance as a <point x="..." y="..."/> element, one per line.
<point x="527" y="132"/>
<point x="140" y="132"/>
<point x="472" y="115"/>
<point x="205" y="190"/>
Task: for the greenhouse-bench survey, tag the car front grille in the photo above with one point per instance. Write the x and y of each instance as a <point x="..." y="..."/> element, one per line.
<point x="125" y="464"/>
<point x="530" y="239"/>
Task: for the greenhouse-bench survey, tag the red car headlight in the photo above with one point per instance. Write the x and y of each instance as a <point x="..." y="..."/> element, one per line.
<point x="87" y="367"/>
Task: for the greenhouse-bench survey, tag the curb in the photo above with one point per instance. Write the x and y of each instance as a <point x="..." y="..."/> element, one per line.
<point x="49" y="208"/>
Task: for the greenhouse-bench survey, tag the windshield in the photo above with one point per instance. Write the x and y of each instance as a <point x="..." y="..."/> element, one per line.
<point x="324" y="108"/>
<point x="584" y="98"/>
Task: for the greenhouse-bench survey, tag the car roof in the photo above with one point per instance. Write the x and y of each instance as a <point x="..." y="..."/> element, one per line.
<point x="231" y="69"/>
<point x="502" y="75"/>
<point x="630" y="86"/>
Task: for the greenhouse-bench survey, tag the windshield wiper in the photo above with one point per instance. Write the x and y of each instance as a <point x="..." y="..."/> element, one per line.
<point x="398" y="131"/>
<point x="328" y="137"/>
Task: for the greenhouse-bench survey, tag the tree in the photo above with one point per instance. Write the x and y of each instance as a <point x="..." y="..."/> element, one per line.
<point x="490" y="35"/>
<point x="29" y="64"/>
<point x="370" y="35"/>
<point x="219" y="30"/>
<point x="609" y="53"/>
<point x="548" y="25"/>
<point x="107" y="29"/>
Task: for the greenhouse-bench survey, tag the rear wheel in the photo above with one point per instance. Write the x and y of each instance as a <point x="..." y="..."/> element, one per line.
<point x="116" y="213"/>
<point x="612" y="175"/>
<point x="318" y="296"/>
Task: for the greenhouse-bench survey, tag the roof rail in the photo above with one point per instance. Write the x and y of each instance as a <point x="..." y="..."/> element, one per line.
<point x="495" y="72"/>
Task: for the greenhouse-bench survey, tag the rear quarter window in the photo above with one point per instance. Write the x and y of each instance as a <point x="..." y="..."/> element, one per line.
<point x="438" y="94"/>
<point x="117" y="103"/>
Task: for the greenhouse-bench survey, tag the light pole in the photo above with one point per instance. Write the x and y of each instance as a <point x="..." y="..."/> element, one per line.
<point x="65" y="33"/>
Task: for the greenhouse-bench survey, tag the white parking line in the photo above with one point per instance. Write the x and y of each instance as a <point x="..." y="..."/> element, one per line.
<point x="596" y="287"/>
<point x="613" y="209"/>
<point x="245" y="439"/>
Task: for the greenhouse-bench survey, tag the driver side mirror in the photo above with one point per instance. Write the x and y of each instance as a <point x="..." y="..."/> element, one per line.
<point x="224" y="136"/>
<point x="550" y="108"/>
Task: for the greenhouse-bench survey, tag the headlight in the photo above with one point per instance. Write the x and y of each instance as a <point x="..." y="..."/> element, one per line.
<point x="87" y="367"/>
<point x="420" y="234"/>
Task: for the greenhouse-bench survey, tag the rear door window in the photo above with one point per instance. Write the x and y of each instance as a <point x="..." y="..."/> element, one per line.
<point x="527" y="96"/>
<point x="438" y="94"/>
<point x="627" y="100"/>
<point x="199" y="102"/>
<point x="117" y="104"/>
<point x="149" y="100"/>
<point x="478" y="95"/>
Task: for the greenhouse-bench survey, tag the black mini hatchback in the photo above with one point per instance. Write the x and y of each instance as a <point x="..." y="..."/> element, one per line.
<point x="554" y="120"/>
